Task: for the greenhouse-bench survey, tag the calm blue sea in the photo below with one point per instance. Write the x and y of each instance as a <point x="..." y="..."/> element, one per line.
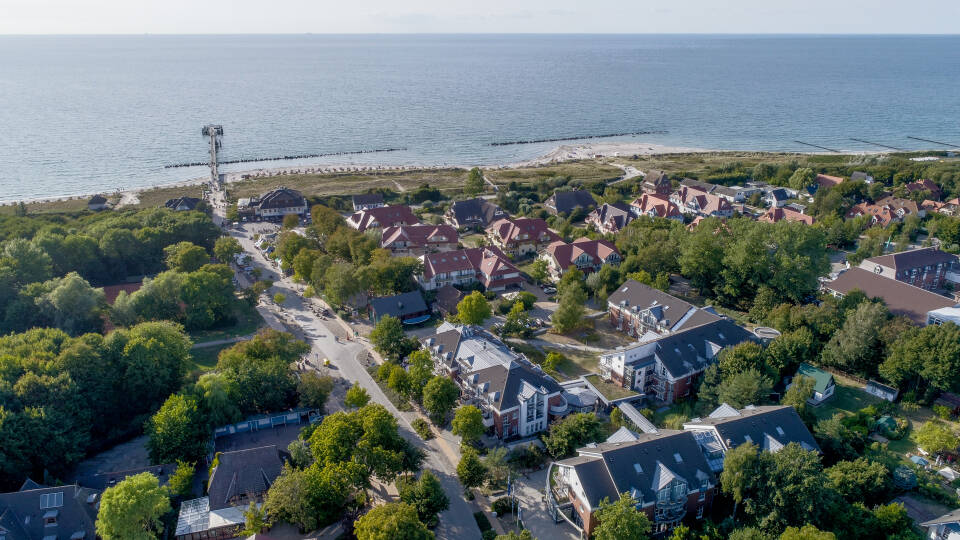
<point x="85" y="114"/>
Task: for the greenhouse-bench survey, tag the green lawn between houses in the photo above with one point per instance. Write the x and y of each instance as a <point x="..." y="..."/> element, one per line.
<point x="609" y="390"/>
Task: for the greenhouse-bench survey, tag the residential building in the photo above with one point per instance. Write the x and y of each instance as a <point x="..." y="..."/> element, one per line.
<point x="103" y="480"/>
<point x="739" y="194"/>
<point x="586" y="255"/>
<point x="823" y="383"/>
<point x="473" y="214"/>
<point x="655" y="182"/>
<point x="665" y="472"/>
<point x="770" y="427"/>
<point x="774" y="215"/>
<point x="487" y="265"/>
<point x="666" y="367"/>
<point x="656" y="206"/>
<point x="518" y="398"/>
<point x="776" y="198"/>
<point x="879" y="215"/>
<point x="367" y="201"/>
<point x="520" y="236"/>
<point x="926" y="268"/>
<point x="901" y="207"/>
<point x="861" y="176"/>
<point x="901" y="298"/>
<point x="694" y="201"/>
<point x="409" y="307"/>
<point x="38" y="512"/>
<point x="97" y="202"/>
<point x="447" y="299"/>
<point x="610" y="218"/>
<point x="458" y="349"/>
<point x="705" y="187"/>
<point x="925" y="185"/>
<point x="182" y="204"/>
<point x="638" y="310"/>
<point x="945" y="527"/>
<point x="273" y="205"/>
<point x="416" y="240"/>
<point x="237" y="479"/>
<point x="566" y="202"/>
<point x="382" y="217"/>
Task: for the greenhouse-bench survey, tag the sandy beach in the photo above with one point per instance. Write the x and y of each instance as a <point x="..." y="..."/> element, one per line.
<point x="566" y="152"/>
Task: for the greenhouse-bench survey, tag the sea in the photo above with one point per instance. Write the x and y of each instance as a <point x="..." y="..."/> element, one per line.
<point x="87" y="114"/>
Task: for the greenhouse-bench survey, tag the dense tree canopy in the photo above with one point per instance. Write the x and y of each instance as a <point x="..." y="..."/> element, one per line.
<point x="131" y="510"/>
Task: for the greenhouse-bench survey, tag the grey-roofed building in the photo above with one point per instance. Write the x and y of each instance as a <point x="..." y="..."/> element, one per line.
<point x="861" y="176"/>
<point x="97" y="202"/>
<point x="926" y="268"/>
<point x="38" y="512"/>
<point x="409" y="307"/>
<point x="447" y="299"/>
<point x="475" y="214"/>
<point x="623" y="435"/>
<point x="769" y="427"/>
<point x="518" y="399"/>
<point x="666" y="367"/>
<point x="102" y="480"/>
<point x="901" y="298"/>
<point x="610" y="218"/>
<point x="244" y="476"/>
<point x="945" y="527"/>
<point x="638" y="420"/>
<point x="182" y="204"/>
<point x="656" y="182"/>
<point x="637" y="309"/>
<point x="665" y="472"/>
<point x="366" y="201"/>
<point x="564" y="202"/>
<point x="274" y="204"/>
<point x="776" y="198"/>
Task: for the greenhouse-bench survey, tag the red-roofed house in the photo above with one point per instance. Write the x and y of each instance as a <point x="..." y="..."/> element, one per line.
<point x="879" y="215"/>
<point x="384" y="216"/>
<point x="587" y="255"/>
<point x="415" y="240"/>
<point x="925" y="185"/>
<point x="827" y="181"/>
<point x="694" y="201"/>
<point x="517" y="237"/>
<point x="487" y="265"/>
<point x="774" y="215"/>
<point x="656" y="206"/>
<point x="610" y="218"/>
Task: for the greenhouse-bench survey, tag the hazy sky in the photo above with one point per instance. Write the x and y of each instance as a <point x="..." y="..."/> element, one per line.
<point x="560" y="16"/>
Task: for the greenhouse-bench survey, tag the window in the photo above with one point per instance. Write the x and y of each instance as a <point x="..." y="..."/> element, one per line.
<point x="677" y="457"/>
<point x="703" y="495"/>
<point x="700" y="512"/>
<point x="51" y="500"/>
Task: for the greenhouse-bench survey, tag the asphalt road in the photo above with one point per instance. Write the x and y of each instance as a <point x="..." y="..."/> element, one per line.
<point x="346" y="357"/>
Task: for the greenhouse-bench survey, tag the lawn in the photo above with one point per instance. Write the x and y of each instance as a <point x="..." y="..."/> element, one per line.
<point x="319" y="185"/>
<point x="847" y="399"/>
<point x="575" y="363"/>
<point x="609" y="390"/>
<point x="248" y="322"/>
<point x="205" y="358"/>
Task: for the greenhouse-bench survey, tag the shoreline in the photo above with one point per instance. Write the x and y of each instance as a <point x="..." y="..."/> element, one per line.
<point x="560" y="154"/>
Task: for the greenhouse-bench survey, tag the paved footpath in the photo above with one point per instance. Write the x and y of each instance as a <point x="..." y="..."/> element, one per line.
<point x="442" y="454"/>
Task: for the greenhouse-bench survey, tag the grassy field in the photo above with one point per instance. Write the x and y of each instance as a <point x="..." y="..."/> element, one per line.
<point x="587" y="170"/>
<point x="846" y="398"/>
<point x="318" y="185"/>
<point x="51" y="207"/>
<point x="610" y="391"/>
<point x="248" y="322"/>
<point x="205" y="358"/>
<point x="155" y="197"/>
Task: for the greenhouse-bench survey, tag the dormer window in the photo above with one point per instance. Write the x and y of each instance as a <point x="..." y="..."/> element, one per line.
<point x="50" y="518"/>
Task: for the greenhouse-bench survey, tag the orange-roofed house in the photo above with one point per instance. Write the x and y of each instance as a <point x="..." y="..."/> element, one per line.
<point x="585" y="254"/>
<point x="520" y="236"/>
<point x="774" y="215"/>
<point x="656" y="206"/>
<point x="827" y="181"/>
<point x="694" y="201"/>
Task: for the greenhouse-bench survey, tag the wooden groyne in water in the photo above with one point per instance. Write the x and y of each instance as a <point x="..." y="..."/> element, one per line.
<point x="560" y="139"/>
<point x="281" y="158"/>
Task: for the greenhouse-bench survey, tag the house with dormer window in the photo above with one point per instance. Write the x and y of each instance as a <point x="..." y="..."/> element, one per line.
<point x="665" y="472"/>
<point x="38" y="512"/>
<point x="416" y="240"/>
<point x="382" y="217"/>
<point x="518" y="237"/>
<point x="585" y="254"/>
<point x="665" y="368"/>
<point x="637" y="309"/>
<point x="517" y="398"/>
<point x="695" y="201"/>
<point x="487" y="265"/>
<point x="770" y="427"/>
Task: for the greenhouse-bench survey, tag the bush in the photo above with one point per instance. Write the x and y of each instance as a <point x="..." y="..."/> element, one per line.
<point x="942" y="411"/>
<point x="482" y="521"/>
<point x="502" y="506"/>
<point x="422" y="427"/>
<point x="489" y="534"/>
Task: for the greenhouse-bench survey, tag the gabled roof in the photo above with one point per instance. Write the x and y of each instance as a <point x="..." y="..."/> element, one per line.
<point x="282" y="198"/>
<point x="655" y="178"/>
<point x="567" y="201"/>
<point x="506" y="382"/>
<point x="383" y="216"/>
<point x="821" y="379"/>
<point x="242" y="472"/>
<point x="22" y="512"/>
<point x="705" y="187"/>
<point x="825" y="180"/>
<point x="952" y="517"/>
<point x="97" y="199"/>
<point x="671" y="311"/>
<point x="770" y="427"/>
<point x="778" y="194"/>
<point x="661" y="207"/>
<point x="641" y="467"/>
<point x="479" y="210"/>
<point x="614" y="216"/>
<point x="859" y="175"/>
<point x="102" y="480"/>
<point x="486" y="258"/>
<point x="690" y="350"/>
<point x="901" y="298"/>
<point x="774" y="215"/>
<point x="513" y="230"/>
<point x="420" y="235"/>
<point x="189" y="203"/>
<point x="914" y="258"/>
<point x="447" y="299"/>
<point x="367" y="198"/>
<point x="704" y="202"/>
<point x="565" y="255"/>
<point x="399" y="305"/>
<point x="925" y="184"/>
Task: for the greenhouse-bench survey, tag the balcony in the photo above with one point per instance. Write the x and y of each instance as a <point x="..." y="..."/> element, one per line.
<point x="670" y="510"/>
<point x="560" y="409"/>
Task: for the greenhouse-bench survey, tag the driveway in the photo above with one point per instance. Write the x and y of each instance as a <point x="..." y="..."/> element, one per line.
<point x="530" y="494"/>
